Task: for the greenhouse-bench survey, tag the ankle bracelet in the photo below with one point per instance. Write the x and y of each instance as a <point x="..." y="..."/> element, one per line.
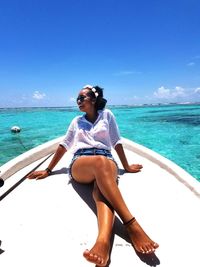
<point x="129" y="222"/>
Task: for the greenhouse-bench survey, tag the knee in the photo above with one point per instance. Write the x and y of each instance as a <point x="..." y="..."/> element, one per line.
<point x="104" y="167"/>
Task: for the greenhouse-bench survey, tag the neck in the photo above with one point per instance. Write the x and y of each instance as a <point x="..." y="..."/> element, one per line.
<point x="91" y="116"/>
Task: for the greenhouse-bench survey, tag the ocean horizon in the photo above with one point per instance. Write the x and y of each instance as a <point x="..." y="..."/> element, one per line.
<point x="170" y="129"/>
<point x="113" y="105"/>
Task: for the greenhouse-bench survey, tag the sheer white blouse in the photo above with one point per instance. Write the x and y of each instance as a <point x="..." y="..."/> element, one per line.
<point x="103" y="133"/>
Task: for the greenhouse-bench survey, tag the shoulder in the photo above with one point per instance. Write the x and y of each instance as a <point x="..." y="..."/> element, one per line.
<point x="76" y="119"/>
<point x="107" y="112"/>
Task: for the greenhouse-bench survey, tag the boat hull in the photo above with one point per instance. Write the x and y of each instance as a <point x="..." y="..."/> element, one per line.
<point x="50" y="222"/>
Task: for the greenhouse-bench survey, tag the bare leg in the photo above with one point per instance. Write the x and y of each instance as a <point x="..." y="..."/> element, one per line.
<point x="104" y="172"/>
<point x="99" y="254"/>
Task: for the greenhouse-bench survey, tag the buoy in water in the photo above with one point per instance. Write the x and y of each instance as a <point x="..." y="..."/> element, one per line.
<point x="15" y="129"/>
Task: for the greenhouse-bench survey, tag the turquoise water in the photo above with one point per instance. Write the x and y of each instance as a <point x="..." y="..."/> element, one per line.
<point x="172" y="131"/>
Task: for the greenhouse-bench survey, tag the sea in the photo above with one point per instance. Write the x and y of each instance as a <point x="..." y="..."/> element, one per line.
<point x="171" y="130"/>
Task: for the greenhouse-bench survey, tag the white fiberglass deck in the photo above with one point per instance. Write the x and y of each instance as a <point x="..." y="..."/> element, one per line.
<point x="50" y="222"/>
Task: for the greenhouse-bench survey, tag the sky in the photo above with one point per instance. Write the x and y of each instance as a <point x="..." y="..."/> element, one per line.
<point x="140" y="52"/>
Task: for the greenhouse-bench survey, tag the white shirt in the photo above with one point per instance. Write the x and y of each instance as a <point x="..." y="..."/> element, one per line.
<point x="103" y="133"/>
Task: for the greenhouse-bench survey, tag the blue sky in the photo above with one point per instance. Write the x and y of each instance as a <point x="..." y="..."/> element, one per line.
<point x="139" y="51"/>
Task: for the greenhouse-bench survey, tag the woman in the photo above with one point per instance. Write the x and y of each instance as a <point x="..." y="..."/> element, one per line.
<point x="91" y="137"/>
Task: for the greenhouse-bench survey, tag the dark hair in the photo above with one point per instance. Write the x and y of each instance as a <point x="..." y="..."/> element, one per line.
<point x="100" y="101"/>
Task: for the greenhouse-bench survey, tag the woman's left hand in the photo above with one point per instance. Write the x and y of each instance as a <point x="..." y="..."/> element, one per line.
<point x="134" y="168"/>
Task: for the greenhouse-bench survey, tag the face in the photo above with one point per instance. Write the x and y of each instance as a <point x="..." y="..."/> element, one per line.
<point x="85" y="103"/>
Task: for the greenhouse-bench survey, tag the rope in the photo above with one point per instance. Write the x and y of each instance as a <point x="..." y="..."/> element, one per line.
<point x="20" y="141"/>
<point x="22" y="179"/>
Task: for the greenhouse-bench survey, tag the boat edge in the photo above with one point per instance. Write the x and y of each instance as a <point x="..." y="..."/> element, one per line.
<point x="181" y="175"/>
<point x="34" y="154"/>
<point x="28" y="157"/>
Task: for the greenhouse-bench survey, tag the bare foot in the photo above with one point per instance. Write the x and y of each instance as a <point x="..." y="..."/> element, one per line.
<point x="140" y="240"/>
<point x="99" y="254"/>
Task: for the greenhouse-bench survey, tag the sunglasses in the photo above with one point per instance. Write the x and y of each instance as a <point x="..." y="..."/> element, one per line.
<point x="81" y="98"/>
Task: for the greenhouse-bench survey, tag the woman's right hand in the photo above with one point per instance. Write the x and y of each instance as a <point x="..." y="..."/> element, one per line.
<point x="134" y="168"/>
<point x="37" y="175"/>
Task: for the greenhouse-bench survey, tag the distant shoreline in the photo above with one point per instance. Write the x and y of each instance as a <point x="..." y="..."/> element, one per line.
<point x="124" y="105"/>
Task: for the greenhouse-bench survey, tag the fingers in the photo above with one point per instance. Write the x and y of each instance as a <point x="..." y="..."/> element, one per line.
<point x="41" y="177"/>
<point x="137" y="166"/>
<point x="134" y="168"/>
<point x="30" y="175"/>
<point x="37" y="175"/>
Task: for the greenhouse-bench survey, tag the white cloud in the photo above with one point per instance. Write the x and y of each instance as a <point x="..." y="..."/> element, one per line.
<point x="127" y="72"/>
<point x="196" y="57"/>
<point x="38" y="95"/>
<point x="191" y="64"/>
<point x="178" y="91"/>
<point x="177" y="94"/>
<point x="165" y="93"/>
<point x="162" y="93"/>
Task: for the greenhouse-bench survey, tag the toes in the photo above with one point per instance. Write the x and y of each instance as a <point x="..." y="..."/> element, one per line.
<point x="146" y="249"/>
<point x="98" y="260"/>
<point x="155" y="245"/>
<point x="140" y="249"/>
<point x="93" y="257"/>
<point x="86" y="253"/>
<point x="89" y="256"/>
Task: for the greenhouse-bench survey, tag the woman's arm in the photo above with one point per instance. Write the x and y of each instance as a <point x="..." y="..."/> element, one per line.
<point x="129" y="168"/>
<point x="44" y="173"/>
<point x="115" y="138"/>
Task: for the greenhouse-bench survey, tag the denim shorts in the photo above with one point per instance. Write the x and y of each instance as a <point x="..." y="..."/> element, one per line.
<point x="91" y="152"/>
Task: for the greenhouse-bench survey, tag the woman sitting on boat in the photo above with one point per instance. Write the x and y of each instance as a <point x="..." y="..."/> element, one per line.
<point x="91" y="138"/>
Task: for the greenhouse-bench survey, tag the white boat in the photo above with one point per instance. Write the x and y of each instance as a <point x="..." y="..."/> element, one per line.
<point x="50" y="222"/>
